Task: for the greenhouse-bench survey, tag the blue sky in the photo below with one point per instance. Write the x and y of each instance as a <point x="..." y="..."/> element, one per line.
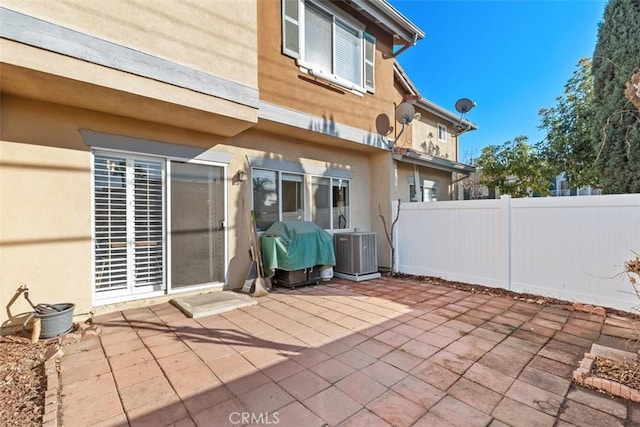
<point x="512" y="57"/>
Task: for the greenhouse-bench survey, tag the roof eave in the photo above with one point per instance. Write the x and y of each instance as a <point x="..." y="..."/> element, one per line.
<point x="411" y="156"/>
<point x="390" y="19"/>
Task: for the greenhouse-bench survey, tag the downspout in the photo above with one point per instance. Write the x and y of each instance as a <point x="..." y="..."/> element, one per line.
<point x="416" y="183"/>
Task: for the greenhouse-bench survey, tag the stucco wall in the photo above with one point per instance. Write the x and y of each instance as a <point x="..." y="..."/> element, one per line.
<point x="281" y="82"/>
<point x="45" y="238"/>
<point x="425" y="138"/>
<point x="217" y="37"/>
<point x="46" y="219"/>
<point x="442" y="180"/>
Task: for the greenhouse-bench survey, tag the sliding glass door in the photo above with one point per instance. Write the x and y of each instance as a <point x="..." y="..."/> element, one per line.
<point x="197" y="224"/>
<point x="158" y="226"/>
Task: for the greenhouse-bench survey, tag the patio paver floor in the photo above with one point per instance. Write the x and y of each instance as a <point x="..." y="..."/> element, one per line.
<point x="382" y="352"/>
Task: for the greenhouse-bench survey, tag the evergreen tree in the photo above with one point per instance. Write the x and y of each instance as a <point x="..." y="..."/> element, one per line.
<point x="616" y="129"/>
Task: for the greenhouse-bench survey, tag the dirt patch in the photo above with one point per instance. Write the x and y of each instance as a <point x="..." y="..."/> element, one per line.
<point x="22" y="381"/>
<point x="499" y="292"/>
<point x="627" y="373"/>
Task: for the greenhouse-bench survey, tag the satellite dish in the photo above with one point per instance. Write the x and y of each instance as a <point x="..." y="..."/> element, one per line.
<point x="405" y="113"/>
<point x="464" y="105"/>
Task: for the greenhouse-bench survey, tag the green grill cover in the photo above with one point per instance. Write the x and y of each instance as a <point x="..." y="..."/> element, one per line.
<point x="294" y="245"/>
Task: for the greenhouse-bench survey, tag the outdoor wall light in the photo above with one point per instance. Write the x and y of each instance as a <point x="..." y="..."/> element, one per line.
<point x="241" y="175"/>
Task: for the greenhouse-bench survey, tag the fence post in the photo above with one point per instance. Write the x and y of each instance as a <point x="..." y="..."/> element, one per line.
<point x="395" y="262"/>
<point x="505" y="207"/>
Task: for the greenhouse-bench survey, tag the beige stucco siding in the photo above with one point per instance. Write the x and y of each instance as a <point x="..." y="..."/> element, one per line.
<point x="442" y="180"/>
<point x="46" y="193"/>
<point x="45" y="234"/>
<point x="425" y="138"/>
<point x="218" y="37"/>
<point x="64" y="54"/>
<point x="44" y="225"/>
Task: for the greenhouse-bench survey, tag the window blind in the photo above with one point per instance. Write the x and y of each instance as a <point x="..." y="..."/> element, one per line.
<point x="348" y="54"/>
<point x="128" y="224"/>
<point x="318" y="39"/>
<point x="148" y="225"/>
<point x="110" y="223"/>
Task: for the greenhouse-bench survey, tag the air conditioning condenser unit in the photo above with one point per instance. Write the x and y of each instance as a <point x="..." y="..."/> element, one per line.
<point x="356" y="255"/>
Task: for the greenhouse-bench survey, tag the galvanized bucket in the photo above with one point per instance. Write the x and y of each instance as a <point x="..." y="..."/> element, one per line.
<point x="56" y="320"/>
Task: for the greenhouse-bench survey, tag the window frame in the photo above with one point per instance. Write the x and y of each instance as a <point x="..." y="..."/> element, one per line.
<point x="293" y="35"/>
<point x="442" y="129"/>
<point x="308" y="203"/>
<point x="429" y="190"/>
<point x="279" y="188"/>
<point x="413" y="195"/>
<point x="100" y="298"/>
<point x="333" y="182"/>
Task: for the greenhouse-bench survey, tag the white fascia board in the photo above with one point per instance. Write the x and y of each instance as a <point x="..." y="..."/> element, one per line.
<point x="434" y="162"/>
<point x="277" y="114"/>
<point x="390" y="19"/>
<point x="404" y="79"/>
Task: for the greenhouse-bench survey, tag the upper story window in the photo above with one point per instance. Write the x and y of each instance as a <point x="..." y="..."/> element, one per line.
<point x="442" y="133"/>
<point x="329" y="44"/>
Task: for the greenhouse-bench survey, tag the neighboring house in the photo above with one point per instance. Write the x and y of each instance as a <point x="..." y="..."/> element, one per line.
<point x="560" y="187"/>
<point x="426" y="155"/>
<point x="135" y="140"/>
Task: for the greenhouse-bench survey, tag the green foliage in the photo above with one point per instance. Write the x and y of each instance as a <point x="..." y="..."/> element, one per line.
<point x="515" y="168"/>
<point x="616" y="122"/>
<point x="568" y="147"/>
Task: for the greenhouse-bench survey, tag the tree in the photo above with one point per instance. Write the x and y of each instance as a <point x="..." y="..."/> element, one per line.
<point x="568" y="147"/>
<point x="515" y="168"/>
<point x="616" y="130"/>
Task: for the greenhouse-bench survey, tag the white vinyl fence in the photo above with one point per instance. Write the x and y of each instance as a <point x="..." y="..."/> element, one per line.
<point x="571" y="248"/>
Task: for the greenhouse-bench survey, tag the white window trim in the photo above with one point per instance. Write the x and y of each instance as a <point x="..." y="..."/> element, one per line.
<point x="307" y="206"/>
<point x="348" y="218"/>
<point x="279" y="172"/>
<point x="441" y="126"/>
<point x="225" y="222"/>
<point x="427" y="186"/>
<point x="306" y="67"/>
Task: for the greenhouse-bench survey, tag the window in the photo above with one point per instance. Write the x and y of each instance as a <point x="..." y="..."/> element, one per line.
<point x="429" y="194"/>
<point x="330" y="203"/>
<point x="328" y="44"/>
<point x="277" y="196"/>
<point x="413" y="196"/>
<point x="442" y="133"/>
<point x="280" y="196"/>
<point x="429" y="191"/>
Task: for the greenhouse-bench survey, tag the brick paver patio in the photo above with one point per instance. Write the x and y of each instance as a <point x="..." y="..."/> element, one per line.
<point x="378" y="353"/>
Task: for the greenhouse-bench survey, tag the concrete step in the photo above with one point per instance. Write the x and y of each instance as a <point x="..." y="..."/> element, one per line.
<point x="208" y="304"/>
